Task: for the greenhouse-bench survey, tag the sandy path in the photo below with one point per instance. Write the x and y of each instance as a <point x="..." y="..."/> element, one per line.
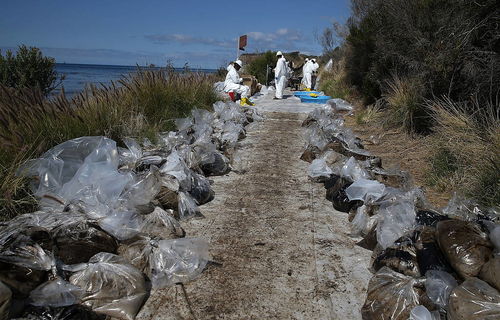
<point x="284" y="252"/>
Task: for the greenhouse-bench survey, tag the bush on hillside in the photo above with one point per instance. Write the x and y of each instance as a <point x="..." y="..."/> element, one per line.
<point x="28" y="68"/>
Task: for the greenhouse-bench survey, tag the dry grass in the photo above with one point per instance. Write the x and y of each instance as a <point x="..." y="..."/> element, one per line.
<point x="140" y="106"/>
<point x="466" y="144"/>
<point x="404" y="104"/>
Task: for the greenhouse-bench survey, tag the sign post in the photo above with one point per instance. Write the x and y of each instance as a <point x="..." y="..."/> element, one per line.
<point x="242" y="43"/>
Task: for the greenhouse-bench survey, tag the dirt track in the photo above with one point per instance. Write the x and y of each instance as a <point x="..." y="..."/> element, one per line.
<point x="282" y="251"/>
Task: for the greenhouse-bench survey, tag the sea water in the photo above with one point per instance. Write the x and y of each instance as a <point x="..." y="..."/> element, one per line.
<point x="77" y="76"/>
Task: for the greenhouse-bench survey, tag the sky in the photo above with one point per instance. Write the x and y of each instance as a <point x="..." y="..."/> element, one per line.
<point x="200" y="33"/>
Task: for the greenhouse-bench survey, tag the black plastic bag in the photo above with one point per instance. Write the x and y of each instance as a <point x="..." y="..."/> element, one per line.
<point x="335" y="192"/>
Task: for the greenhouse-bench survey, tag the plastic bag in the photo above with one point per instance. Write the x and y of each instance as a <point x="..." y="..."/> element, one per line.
<point x="161" y="223"/>
<point x="20" y="250"/>
<point x="179" y="260"/>
<point x="217" y="167"/>
<point x="461" y="208"/>
<point x="365" y="190"/>
<point x="341" y="105"/>
<point x="438" y="286"/>
<point x="77" y="242"/>
<point x="5" y="301"/>
<point x="394" y="221"/>
<point x="21" y="280"/>
<point x="353" y="170"/>
<point x="391" y="295"/>
<point x="112" y="286"/>
<point x="429" y="255"/>
<point x="188" y="208"/>
<point x="122" y="225"/>
<point x="421" y="313"/>
<point x="319" y="169"/>
<point x="177" y="168"/>
<point x="362" y="222"/>
<point x="335" y="192"/>
<point x="201" y="190"/>
<point x="465" y="246"/>
<point x="490" y="272"/>
<point x="142" y="191"/>
<point x="474" y="299"/>
<point x="56" y="293"/>
<point x="401" y="257"/>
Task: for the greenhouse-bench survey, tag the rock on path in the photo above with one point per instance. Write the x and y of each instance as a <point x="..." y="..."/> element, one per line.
<point x="281" y="250"/>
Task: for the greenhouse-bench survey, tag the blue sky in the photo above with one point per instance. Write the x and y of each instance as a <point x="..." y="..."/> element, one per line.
<point x="202" y="33"/>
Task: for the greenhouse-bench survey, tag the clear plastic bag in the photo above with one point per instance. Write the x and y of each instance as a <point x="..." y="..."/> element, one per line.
<point x="20" y="250"/>
<point x="394" y="221"/>
<point x="77" y="242"/>
<point x="340" y="105"/>
<point x="400" y="257"/>
<point x="201" y="191"/>
<point x="179" y="260"/>
<point x="474" y="299"/>
<point x="365" y="190"/>
<point x="111" y="286"/>
<point x="465" y="246"/>
<point x="162" y="224"/>
<point x="438" y="286"/>
<point x="362" y="222"/>
<point x="177" y="168"/>
<point x="495" y="238"/>
<point x="188" y="208"/>
<point x="353" y="170"/>
<point x="319" y="169"/>
<point x="391" y="295"/>
<point x="122" y="225"/>
<point x="56" y="293"/>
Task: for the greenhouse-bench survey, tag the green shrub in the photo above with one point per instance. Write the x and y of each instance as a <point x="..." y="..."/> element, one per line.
<point x="28" y="68"/>
<point x="257" y="67"/>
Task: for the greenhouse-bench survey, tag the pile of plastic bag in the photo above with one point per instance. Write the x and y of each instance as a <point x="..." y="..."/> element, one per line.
<point x="428" y="263"/>
<point x="109" y="223"/>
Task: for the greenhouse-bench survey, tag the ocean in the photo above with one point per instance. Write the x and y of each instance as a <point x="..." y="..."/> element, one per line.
<point x="77" y="76"/>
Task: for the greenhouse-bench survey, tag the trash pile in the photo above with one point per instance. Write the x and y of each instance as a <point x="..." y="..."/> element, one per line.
<point x="108" y="228"/>
<point x="427" y="263"/>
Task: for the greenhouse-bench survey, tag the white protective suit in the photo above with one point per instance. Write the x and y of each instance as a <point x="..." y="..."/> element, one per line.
<point x="314" y="69"/>
<point x="232" y="83"/>
<point x="307" y="74"/>
<point x="280" y="73"/>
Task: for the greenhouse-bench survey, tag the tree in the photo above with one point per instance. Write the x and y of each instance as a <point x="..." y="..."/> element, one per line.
<point x="28" y="68"/>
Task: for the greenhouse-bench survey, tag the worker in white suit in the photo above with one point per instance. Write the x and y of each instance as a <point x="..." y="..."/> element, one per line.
<point x="307" y="75"/>
<point x="314" y="73"/>
<point x="233" y="83"/>
<point x="304" y="72"/>
<point x="280" y="73"/>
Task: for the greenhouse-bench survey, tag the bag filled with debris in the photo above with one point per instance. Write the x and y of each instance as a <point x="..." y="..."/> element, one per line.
<point x="465" y="246"/>
<point x="391" y="295"/>
<point x="111" y="286"/>
<point x="474" y="299"/>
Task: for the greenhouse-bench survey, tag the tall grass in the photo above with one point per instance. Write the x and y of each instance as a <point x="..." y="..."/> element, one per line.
<point x="404" y="101"/>
<point x="140" y="105"/>
<point x="333" y="82"/>
<point x="466" y="149"/>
